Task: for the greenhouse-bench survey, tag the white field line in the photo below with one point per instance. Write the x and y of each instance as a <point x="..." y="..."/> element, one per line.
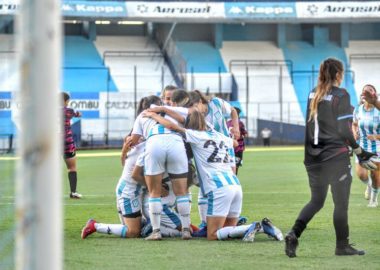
<point x="116" y="154"/>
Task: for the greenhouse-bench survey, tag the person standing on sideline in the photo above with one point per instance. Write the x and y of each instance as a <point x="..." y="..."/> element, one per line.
<point x="241" y="145"/>
<point x="69" y="146"/>
<point x="266" y="133"/>
<point x="366" y="129"/>
<point x="327" y="159"/>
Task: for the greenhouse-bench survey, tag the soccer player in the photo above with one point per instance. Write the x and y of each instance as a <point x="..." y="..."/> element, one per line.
<point x="327" y="159"/>
<point x="129" y="194"/>
<point x="239" y="150"/>
<point x="214" y="110"/>
<point x="366" y="128"/>
<point x="69" y="146"/>
<point x="217" y="181"/>
<point x="166" y="94"/>
<point x="164" y="151"/>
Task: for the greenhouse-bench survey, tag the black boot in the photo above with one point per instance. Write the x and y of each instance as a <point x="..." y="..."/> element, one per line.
<point x="348" y="250"/>
<point x="291" y="244"/>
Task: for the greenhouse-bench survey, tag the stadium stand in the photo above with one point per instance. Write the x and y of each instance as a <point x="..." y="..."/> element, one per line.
<point x="8" y="84"/>
<point x="363" y="56"/>
<point x="305" y="56"/>
<point x="84" y="70"/>
<point x="205" y="67"/>
<point x="264" y="75"/>
<point x="8" y="78"/>
<point x="123" y="53"/>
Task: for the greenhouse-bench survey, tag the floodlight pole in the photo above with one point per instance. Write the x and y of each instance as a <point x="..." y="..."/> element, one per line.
<point x="38" y="183"/>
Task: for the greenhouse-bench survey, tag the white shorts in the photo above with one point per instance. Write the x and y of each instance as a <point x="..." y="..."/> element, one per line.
<point x="127" y="205"/>
<point x="165" y="152"/>
<point x="225" y="202"/>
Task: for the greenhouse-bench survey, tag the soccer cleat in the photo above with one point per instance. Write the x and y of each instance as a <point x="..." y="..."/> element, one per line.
<point x="89" y="228"/>
<point x="291" y="244"/>
<point x="372" y="204"/>
<point x="271" y="230"/>
<point x="249" y="236"/>
<point x="241" y="221"/>
<point x="193" y="228"/>
<point x="348" y="250"/>
<point x="75" y="195"/>
<point x="367" y="192"/>
<point x="146" y="230"/>
<point x="154" y="236"/>
<point x="186" y="235"/>
<point x="202" y="225"/>
<point x="200" y="233"/>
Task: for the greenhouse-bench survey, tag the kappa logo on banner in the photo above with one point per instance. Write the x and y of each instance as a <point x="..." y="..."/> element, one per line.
<point x="94" y="9"/>
<point x="260" y="10"/>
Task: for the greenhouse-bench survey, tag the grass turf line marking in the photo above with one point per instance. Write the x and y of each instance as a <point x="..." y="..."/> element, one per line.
<point x="115" y="154"/>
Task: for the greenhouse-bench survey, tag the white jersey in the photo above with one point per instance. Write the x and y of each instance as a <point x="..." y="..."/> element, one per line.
<point x="369" y="124"/>
<point x="126" y="185"/>
<point x="212" y="159"/>
<point x="217" y="109"/>
<point x="148" y="127"/>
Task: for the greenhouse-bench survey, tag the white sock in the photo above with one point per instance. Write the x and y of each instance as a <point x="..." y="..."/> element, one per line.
<point x="115" y="229"/>
<point x="155" y="209"/>
<point x="190" y="196"/>
<point x="169" y="232"/>
<point x="374" y="194"/>
<point x="232" y="232"/>
<point x="183" y="207"/>
<point x="202" y="208"/>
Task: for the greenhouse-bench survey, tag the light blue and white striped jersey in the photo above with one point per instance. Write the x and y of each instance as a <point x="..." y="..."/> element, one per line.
<point x="127" y="186"/>
<point x="369" y="124"/>
<point x="148" y="127"/>
<point x="217" y="109"/>
<point x="211" y="156"/>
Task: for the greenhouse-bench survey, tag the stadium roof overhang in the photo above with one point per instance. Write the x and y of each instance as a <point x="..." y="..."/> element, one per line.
<point x="215" y="12"/>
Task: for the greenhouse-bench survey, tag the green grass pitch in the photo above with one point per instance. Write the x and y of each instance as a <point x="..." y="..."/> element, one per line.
<point x="274" y="185"/>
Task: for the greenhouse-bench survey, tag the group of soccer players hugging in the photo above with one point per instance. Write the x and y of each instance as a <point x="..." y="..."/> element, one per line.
<point x="179" y="140"/>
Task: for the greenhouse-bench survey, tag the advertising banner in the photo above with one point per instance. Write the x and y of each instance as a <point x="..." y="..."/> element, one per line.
<point x="213" y="11"/>
<point x="260" y="10"/>
<point x="175" y="10"/>
<point x="116" y="105"/>
<point x="86" y="103"/>
<point x="96" y="9"/>
<point x="5" y="104"/>
<point x="101" y="9"/>
<point x="9" y="7"/>
<point x="338" y="10"/>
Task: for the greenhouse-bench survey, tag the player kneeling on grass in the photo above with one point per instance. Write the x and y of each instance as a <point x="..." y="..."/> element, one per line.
<point x="129" y="194"/>
<point x="223" y="189"/>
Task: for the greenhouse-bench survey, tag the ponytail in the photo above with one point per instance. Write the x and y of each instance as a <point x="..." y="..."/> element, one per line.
<point x="329" y="71"/>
